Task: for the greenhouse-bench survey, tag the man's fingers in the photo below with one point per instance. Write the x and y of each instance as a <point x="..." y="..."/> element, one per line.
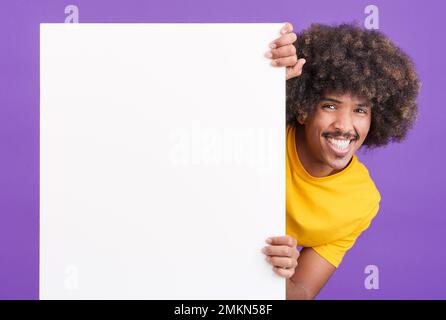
<point x="282" y="262"/>
<point x="285" y="62"/>
<point x="288" y="27"/>
<point x="280" y="251"/>
<point x="284" y="40"/>
<point x="296" y="70"/>
<point x="286" y="273"/>
<point x="282" y="240"/>
<point x="282" y="52"/>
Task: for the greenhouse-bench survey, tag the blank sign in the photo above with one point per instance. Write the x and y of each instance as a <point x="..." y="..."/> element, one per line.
<point x="162" y="161"/>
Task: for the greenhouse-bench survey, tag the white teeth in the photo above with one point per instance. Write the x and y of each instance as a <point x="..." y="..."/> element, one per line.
<point x="340" y="144"/>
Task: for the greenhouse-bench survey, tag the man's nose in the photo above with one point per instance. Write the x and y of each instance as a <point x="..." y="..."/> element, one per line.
<point x="344" y="123"/>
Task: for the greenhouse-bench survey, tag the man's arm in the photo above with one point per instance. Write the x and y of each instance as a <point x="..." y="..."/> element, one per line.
<point x="310" y="276"/>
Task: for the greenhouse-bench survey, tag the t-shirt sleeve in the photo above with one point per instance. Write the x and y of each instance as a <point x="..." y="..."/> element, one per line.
<point x="334" y="251"/>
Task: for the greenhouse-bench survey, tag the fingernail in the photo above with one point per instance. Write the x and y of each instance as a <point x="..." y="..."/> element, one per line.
<point x="274" y="63"/>
<point x="269" y="54"/>
<point x="269" y="240"/>
<point x="283" y="31"/>
<point x="272" y="45"/>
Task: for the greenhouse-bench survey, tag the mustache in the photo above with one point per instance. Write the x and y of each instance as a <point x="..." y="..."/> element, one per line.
<point x="338" y="134"/>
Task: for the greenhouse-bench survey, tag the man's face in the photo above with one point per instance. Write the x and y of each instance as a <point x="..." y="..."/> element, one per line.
<point x="336" y="129"/>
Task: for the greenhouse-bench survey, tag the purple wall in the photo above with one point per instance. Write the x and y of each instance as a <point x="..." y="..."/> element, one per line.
<point x="406" y="239"/>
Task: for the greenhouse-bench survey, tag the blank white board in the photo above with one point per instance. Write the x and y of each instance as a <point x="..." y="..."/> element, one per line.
<point x="162" y="161"/>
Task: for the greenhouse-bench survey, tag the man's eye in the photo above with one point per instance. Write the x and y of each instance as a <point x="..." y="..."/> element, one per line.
<point x="361" y="111"/>
<point x="329" y="106"/>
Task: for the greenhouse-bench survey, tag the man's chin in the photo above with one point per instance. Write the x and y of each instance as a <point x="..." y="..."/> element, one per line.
<point x="338" y="163"/>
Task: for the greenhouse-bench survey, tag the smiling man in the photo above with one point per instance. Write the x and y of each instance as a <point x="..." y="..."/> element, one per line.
<point x="355" y="89"/>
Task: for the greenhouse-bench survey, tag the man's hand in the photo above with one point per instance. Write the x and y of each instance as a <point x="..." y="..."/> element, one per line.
<point x="283" y="52"/>
<point x="282" y="254"/>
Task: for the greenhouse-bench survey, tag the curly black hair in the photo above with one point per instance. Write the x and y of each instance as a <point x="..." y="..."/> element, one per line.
<point x="365" y="63"/>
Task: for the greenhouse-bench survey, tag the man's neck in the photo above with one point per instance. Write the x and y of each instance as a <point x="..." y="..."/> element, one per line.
<point x="313" y="166"/>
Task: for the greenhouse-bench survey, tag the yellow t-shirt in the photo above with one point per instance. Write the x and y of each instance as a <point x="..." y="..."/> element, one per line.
<point x="328" y="213"/>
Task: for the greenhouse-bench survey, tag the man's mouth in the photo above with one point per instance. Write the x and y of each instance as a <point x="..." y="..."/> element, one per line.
<point x="340" y="147"/>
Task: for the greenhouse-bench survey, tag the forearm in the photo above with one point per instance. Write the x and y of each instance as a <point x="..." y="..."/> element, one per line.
<point x="295" y="291"/>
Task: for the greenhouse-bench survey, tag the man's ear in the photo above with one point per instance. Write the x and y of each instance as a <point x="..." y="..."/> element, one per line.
<point x="302" y="118"/>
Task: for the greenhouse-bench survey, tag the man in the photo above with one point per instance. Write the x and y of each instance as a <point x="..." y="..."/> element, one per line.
<point x="350" y="87"/>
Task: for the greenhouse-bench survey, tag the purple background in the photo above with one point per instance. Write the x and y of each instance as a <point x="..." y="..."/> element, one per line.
<point x="407" y="237"/>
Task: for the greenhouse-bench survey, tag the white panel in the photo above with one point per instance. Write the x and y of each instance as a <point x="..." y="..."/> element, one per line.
<point x="162" y="161"/>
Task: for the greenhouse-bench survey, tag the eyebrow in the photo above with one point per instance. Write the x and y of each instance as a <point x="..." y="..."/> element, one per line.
<point x="363" y="104"/>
